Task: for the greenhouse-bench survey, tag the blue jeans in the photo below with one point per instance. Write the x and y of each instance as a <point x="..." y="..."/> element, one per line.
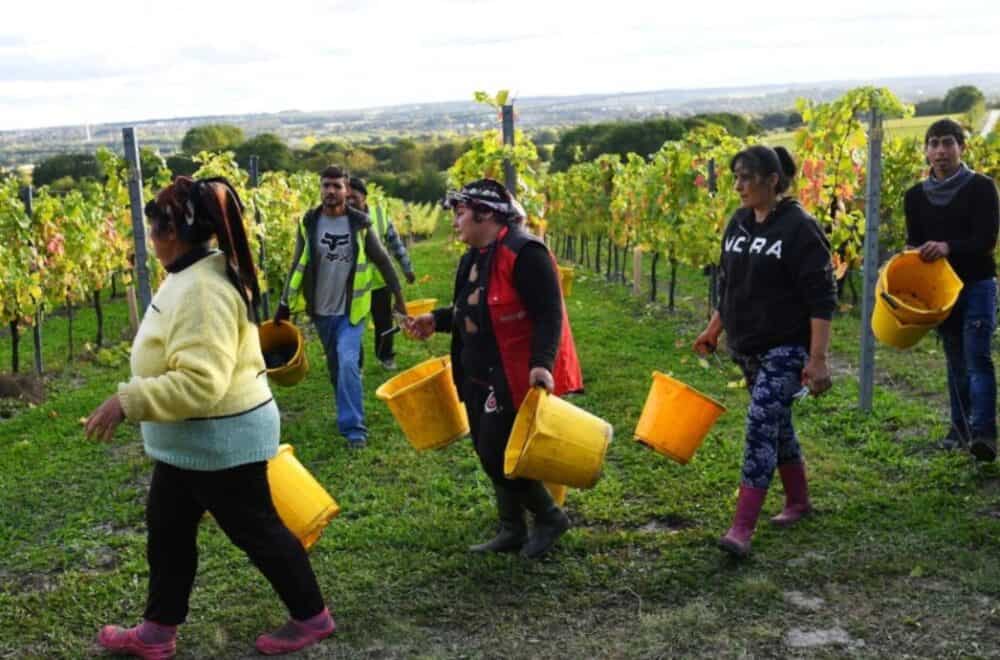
<point x="972" y="384"/>
<point x="773" y="378"/>
<point x="342" y="345"/>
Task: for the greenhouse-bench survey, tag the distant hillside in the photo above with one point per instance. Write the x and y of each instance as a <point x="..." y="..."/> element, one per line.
<point x="31" y="145"/>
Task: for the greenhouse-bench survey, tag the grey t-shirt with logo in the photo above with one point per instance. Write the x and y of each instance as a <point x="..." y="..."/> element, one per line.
<point x="333" y="267"/>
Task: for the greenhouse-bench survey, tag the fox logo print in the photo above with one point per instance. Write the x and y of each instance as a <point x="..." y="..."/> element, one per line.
<point x="337" y="246"/>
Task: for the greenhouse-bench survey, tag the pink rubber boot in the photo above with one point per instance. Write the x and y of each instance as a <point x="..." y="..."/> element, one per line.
<point x="296" y="635"/>
<point x="793" y="476"/>
<point x="147" y="640"/>
<point x="737" y="540"/>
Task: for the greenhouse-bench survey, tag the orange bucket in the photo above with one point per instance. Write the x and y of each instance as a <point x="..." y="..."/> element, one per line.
<point x="676" y="418"/>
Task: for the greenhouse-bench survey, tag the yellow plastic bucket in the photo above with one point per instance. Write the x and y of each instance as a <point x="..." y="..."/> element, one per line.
<point x="284" y="339"/>
<point x="302" y="503"/>
<point x="915" y="291"/>
<point x="676" y="418"/>
<point x="425" y="403"/>
<point x="890" y="331"/>
<point x="557" y="491"/>
<point x="566" y="280"/>
<point x="420" y="306"/>
<point x="554" y="441"/>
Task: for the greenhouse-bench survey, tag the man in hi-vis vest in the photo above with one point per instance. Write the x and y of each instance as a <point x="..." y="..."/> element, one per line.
<point x="357" y="196"/>
<point x="332" y="269"/>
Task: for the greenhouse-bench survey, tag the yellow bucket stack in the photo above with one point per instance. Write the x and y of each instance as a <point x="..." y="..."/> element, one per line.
<point x="566" y="280"/>
<point x="912" y="297"/>
<point x="676" y="418"/>
<point x="302" y="503"/>
<point x="284" y="339"/>
<point x="554" y="441"/>
<point x="425" y="403"/>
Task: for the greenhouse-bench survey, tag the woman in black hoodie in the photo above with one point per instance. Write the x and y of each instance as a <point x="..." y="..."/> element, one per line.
<point x="776" y="299"/>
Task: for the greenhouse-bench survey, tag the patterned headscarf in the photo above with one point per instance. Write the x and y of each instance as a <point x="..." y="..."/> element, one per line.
<point x="484" y="194"/>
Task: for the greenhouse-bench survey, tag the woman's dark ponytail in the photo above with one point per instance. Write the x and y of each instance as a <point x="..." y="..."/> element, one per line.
<point x="217" y="199"/>
<point x="788" y="169"/>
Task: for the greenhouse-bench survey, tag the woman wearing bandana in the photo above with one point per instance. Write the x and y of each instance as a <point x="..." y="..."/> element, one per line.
<point x="509" y="332"/>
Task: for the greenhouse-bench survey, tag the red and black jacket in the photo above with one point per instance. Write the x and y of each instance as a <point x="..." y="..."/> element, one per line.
<point x="520" y="347"/>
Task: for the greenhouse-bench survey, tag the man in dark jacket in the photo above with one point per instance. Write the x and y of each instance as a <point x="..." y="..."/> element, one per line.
<point x="954" y="214"/>
<point x="332" y="268"/>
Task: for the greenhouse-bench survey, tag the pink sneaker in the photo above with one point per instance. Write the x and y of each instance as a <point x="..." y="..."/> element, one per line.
<point x="125" y="641"/>
<point x="296" y="635"/>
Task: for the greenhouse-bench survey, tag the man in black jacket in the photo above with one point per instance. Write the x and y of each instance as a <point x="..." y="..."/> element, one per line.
<point x="954" y="214"/>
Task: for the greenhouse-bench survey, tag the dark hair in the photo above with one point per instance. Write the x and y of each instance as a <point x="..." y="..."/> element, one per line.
<point x="334" y="172"/>
<point x="200" y="209"/>
<point x="764" y="161"/>
<point x="943" y="127"/>
<point x="357" y="184"/>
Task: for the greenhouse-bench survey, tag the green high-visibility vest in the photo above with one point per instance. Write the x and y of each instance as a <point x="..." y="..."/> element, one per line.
<point x="361" y="300"/>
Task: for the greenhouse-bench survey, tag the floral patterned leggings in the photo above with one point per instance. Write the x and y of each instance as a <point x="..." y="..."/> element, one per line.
<point x="773" y="378"/>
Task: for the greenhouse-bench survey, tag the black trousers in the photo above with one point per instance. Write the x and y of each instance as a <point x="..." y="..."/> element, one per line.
<point x="240" y="501"/>
<point x="491" y="417"/>
<point x="382" y="317"/>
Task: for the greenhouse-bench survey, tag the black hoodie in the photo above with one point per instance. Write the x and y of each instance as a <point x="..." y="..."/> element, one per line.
<point x="775" y="276"/>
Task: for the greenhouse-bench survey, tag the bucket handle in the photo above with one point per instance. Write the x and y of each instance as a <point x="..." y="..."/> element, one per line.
<point x="889" y="300"/>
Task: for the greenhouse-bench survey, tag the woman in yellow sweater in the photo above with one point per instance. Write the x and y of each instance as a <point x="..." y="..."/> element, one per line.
<point x="200" y="393"/>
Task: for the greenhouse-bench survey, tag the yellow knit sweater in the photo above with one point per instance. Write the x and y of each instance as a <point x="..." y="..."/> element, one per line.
<point x="196" y="355"/>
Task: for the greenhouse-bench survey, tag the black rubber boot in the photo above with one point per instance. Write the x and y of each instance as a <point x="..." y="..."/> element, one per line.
<point x="513" y="532"/>
<point x="551" y="522"/>
<point x="984" y="448"/>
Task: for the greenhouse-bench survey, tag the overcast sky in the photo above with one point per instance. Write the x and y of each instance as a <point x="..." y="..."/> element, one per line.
<point x="111" y="60"/>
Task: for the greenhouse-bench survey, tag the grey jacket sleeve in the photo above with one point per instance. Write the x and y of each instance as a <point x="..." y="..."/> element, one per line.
<point x="396" y="247"/>
<point x="378" y="256"/>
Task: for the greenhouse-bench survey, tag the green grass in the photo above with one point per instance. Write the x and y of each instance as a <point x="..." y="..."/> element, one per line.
<point x="908" y="127"/>
<point x="902" y="553"/>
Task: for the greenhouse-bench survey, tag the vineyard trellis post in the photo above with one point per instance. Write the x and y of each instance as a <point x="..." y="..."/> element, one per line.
<point x="507" y="126"/>
<point x="254" y="182"/>
<point x="713" y="269"/>
<point x="28" y="198"/>
<point x="138" y="222"/>
<point x="637" y="271"/>
<point x="872" y="201"/>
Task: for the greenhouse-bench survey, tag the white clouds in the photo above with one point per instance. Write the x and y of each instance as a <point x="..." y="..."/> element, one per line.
<point x="66" y="63"/>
